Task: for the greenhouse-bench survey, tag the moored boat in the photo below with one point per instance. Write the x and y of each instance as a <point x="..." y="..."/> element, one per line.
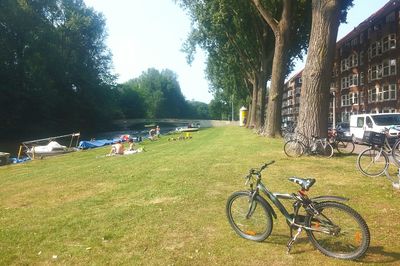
<point x="51" y="149"/>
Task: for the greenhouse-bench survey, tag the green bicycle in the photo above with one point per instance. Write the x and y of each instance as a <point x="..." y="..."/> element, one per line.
<point x="333" y="228"/>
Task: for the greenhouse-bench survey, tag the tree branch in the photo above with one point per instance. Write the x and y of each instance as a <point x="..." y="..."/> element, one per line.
<point x="266" y="15"/>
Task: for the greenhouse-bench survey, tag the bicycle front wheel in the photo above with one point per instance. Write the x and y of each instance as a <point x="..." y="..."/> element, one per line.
<point x="324" y="150"/>
<point x="294" y="148"/>
<point x="338" y="231"/>
<point x="250" y="219"/>
<point x="372" y="162"/>
<point x="345" y="147"/>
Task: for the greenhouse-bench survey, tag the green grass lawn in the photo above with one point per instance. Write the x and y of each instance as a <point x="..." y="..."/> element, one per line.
<point x="166" y="206"/>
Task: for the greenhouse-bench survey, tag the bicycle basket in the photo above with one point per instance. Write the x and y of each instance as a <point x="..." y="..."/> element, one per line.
<point x="374" y="138"/>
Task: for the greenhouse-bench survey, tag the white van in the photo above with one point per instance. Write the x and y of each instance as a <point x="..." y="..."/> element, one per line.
<point x="374" y="122"/>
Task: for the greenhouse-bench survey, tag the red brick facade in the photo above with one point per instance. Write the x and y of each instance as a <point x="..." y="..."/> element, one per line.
<point x="366" y="69"/>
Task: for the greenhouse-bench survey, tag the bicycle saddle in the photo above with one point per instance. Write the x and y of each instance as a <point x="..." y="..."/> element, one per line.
<point x="305" y="183"/>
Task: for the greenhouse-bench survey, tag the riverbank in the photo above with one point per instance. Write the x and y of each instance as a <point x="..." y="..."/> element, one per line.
<point x="167" y="205"/>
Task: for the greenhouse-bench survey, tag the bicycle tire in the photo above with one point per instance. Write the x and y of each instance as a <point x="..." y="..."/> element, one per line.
<point x="345" y="147"/>
<point x="396" y="152"/>
<point x="326" y="151"/>
<point x="258" y="226"/>
<point x="372" y="162"/>
<point x="294" y="148"/>
<point x="348" y="236"/>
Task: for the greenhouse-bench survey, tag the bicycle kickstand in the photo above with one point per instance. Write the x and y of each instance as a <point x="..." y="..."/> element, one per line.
<point x="293" y="239"/>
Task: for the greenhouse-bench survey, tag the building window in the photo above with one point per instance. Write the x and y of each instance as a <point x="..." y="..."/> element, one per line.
<point x="362" y="78"/>
<point x="353" y="80"/>
<point x="361" y="58"/>
<point x="344" y="83"/>
<point x="361" y="100"/>
<point x="344" y="64"/>
<point x="345" y="100"/>
<point x="389" y="42"/>
<point x="387" y="92"/>
<point x="354" y="98"/>
<point x="354" y="42"/>
<point x="353" y="60"/>
<point x="375" y="72"/>
<point x="392" y="41"/>
<point x="372" y="95"/>
<point x="389" y="67"/>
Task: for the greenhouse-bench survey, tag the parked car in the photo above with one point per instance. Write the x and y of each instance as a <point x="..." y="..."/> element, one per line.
<point x="374" y="122"/>
<point x="343" y="131"/>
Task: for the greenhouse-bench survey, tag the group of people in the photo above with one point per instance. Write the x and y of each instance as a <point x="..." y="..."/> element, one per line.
<point x="119" y="148"/>
<point x="154" y="133"/>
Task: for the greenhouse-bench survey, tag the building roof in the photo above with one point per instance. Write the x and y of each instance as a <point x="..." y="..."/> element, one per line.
<point x="386" y="9"/>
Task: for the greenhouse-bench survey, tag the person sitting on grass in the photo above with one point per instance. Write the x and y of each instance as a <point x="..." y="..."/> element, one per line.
<point x="117" y="148"/>
<point x="131" y="145"/>
<point x="152" y="134"/>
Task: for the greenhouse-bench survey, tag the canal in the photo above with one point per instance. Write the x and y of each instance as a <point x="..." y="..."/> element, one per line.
<point x="142" y="130"/>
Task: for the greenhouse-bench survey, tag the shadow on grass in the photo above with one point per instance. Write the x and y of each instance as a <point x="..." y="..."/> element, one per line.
<point x="280" y="239"/>
<point x="342" y="155"/>
<point x="374" y="254"/>
<point x="378" y="255"/>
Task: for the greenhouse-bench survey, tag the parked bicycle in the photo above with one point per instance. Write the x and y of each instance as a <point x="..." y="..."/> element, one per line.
<point x="342" y="144"/>
<point x="374" y="161"/>
<point x="300" y="145"/>
<point x="333" y="228"/>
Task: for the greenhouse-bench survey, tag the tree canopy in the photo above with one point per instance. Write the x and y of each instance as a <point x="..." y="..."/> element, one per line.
<point x="56" y="74"/>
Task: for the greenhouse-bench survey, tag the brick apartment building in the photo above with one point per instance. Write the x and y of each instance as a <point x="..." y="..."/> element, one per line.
<point x="365" y="78"/>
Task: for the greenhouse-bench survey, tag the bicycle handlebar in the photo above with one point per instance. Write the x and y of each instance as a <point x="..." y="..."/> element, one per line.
<point x="255" y="171"/>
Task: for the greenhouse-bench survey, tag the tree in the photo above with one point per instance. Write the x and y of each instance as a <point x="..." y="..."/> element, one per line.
<point x="314" y="106"/>
<point x="285" y="25"/>
<point x="55" y="68"/>
<point x="160" y="94"/>
<point x="238" y="46"/>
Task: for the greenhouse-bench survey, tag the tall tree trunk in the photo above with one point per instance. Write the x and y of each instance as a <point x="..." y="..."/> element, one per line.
<point x="253" y="110"/>
<point x="281" y="31"/>
<point x="274" y="116"/>
<point x="261" y="98"/>
<point x="314" y="105"/>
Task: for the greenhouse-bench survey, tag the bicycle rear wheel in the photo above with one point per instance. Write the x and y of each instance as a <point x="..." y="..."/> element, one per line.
<point x="294" y="148"/>
<point x="345" y="147"/>
<point x="324" y="150"/>
<point x="372" y="162"/>
<point x="250" y="219"/>
<point x="338" y="231"/>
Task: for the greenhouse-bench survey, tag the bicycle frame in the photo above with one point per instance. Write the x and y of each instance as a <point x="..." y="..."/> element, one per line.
<point x="301" y="199"/>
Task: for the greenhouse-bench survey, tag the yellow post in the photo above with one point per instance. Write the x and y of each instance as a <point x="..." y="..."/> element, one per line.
<point x="19" y="152"/>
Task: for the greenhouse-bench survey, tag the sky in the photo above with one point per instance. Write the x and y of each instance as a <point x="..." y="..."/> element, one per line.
<point x="149" y="34"/>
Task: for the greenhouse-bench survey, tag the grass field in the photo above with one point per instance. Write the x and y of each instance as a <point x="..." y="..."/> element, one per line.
<point x="166" y="206"/>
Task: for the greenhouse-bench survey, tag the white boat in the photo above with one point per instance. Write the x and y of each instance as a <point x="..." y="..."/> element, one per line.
<point x="53" y="148"/>
<point x="187" y="129"/>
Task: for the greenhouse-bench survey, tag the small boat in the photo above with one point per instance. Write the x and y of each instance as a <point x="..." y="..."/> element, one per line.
<point x="36" y="148"/>
<point x="187" y="129"/>
<point x="53" y="148"/>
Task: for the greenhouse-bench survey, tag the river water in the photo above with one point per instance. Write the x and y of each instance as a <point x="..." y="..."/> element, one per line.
<point x="12" y="146"/>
